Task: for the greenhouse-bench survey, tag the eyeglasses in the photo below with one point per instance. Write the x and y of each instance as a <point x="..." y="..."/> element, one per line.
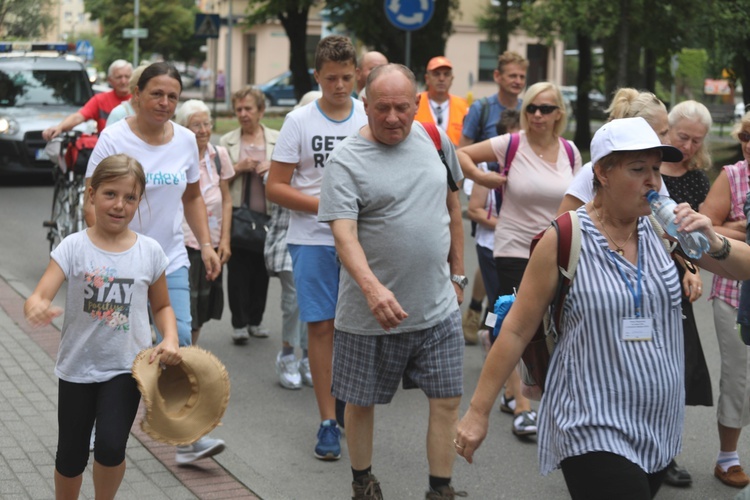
<point x="545" y="109"/>
<point x="743" y="137"/>
<point x="195" y="127"/>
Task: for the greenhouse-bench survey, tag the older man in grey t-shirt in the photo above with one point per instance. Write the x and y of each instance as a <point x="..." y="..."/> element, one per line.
<point x="399" y="236"/>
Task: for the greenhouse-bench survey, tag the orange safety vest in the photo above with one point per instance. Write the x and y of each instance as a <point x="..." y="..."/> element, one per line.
<point x="457" y="110"/>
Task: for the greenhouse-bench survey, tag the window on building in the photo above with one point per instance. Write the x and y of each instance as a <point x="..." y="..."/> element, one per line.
<point x="487" y="60"/>
<point x="68" y="16"/>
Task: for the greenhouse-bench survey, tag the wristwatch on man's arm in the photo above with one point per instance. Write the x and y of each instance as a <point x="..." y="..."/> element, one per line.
<point x="460" y="280"/>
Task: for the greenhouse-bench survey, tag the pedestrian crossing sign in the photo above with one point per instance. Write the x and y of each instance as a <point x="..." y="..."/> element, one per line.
<point x="207" y="25"/>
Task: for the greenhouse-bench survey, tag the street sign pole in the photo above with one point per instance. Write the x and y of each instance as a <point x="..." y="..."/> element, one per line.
<point x="137" y="11"/>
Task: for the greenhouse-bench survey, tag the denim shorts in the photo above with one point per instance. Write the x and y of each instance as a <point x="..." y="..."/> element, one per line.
<point x="368" y="368"/>
<point x="316" y="277"/>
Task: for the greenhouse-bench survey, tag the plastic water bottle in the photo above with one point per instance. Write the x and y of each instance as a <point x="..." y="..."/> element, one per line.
<point x="694" y="243"/>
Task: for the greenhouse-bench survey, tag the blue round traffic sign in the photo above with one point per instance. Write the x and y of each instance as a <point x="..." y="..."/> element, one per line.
<point x="409" y="15"/>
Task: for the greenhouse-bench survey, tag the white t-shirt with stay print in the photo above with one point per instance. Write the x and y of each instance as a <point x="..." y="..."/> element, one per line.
<point x="106" y="316"/>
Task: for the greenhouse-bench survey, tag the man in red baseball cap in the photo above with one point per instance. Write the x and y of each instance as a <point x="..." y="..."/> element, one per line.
<point x="437" y="105"/>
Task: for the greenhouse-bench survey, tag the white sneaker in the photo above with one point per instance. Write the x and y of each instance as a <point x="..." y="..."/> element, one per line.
<point x="240" y="335"/>
<point x="304" y="371"/>
<point x="203" y="448"/>
<point x="287" y="368"/>
<point x="258" y="331"/>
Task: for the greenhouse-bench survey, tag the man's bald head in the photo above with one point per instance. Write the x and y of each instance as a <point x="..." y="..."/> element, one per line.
<point x="368" y="62"/>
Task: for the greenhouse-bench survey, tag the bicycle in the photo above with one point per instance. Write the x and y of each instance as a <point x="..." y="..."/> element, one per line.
<point x="69" y="177"/>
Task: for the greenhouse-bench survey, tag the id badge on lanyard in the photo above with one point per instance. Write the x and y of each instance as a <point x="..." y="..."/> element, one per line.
<point x="635" y="328"/>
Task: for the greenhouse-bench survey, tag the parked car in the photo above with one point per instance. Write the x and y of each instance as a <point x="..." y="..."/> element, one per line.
<point x="597" y="102"/>
<point x="279" y="90"/>
<point x="38" y="89"/>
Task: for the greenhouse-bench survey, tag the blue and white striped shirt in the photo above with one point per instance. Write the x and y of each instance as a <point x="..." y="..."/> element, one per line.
<point x="604" y="393"/>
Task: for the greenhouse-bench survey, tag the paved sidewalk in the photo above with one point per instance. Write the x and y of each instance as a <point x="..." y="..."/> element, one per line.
<point x="28" y="428"/>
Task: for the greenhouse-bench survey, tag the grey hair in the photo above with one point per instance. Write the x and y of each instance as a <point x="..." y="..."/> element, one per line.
<point x="188" y="109"/>
<point x="117" y="64"/>
<point x="695" y="112"/>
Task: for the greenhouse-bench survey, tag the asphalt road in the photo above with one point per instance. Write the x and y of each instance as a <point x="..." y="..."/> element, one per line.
<point x="271" y="431"/>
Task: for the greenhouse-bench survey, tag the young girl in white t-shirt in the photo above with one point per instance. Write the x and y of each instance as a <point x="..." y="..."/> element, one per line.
<point x="113" y="273"/>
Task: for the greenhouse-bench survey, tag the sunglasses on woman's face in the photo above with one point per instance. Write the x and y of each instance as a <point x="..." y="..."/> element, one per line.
<point x="743" y="137"/>
<point x="544" y="108"/>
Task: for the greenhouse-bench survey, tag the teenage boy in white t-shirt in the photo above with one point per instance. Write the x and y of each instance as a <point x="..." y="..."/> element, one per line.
<point x="307" y="137"/>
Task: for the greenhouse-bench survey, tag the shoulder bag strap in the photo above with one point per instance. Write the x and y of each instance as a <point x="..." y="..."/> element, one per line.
<point x="510" y="153"/>
<point x="569" y="151"/>
<point x="434" y="134"/>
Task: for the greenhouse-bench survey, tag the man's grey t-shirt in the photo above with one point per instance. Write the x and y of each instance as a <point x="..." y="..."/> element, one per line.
<point x="397" y="194"/>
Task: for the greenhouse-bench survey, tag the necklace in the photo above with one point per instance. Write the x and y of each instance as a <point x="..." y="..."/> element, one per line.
<point x="618" y="248"/>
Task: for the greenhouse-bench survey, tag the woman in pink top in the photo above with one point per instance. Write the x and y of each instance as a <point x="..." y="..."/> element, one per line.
<point x="723" y="205"/>
<point x="539" y="174"/>
<point x="207" y="297"/>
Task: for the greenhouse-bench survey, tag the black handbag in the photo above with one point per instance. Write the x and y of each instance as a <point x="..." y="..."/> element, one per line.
<point x="249" y="227"/>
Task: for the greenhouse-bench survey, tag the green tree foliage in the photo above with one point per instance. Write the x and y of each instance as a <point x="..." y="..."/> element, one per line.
<point x="170" y="23"/>
<point x="24" y="19"/>
<point x="691" y="71"/>
<point x="727" y="36"/>
<point x="585" y="21"/>
<point x="293" y="15"/>
<point x="366" y="19"/>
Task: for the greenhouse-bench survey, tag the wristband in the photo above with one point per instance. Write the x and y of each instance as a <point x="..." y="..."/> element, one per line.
<point x="723" y="252"/>
<point x="205" y="244"/>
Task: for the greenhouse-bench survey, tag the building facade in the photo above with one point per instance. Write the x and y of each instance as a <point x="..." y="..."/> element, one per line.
<point x="255" y="55"/>
<point x="71" y="21"/>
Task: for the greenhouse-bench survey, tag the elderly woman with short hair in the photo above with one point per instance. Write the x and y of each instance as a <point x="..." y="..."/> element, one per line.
<point x="216" y="169"/>
<point x="250" y="148"/>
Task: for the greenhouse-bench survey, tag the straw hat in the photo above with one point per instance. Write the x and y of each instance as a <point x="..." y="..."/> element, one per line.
<point x="183" y="402"/>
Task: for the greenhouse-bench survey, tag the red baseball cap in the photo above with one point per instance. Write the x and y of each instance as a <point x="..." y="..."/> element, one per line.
<point x="439" y="62"/>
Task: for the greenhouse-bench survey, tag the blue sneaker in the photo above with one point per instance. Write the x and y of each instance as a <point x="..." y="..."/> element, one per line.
<point x="329" y="441"/>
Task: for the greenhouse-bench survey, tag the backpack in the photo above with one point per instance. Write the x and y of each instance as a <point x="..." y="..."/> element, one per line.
<point x="78" y="153"/>
<point x="536" y="356"/>
<point x="434" y="134"/>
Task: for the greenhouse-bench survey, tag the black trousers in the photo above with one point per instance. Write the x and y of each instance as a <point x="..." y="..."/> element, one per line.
<point x="509" y="273"/>
<point x="605" y="476"/>
<point x="113" y="404"/>
<point x="247" y="287"/>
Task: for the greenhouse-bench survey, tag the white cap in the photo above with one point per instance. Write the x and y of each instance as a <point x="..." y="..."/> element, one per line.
<point x="629" y="134"/>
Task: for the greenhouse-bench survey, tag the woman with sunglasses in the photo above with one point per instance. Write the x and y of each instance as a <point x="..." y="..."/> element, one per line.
<point x="539" y="174"/>
<point x="724" y="206"/>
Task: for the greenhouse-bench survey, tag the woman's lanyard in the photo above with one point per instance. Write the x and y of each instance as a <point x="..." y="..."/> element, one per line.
<point x="635" y="328"/>
<point x="637" y="292"/>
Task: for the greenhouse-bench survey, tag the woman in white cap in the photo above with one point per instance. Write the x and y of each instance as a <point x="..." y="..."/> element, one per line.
<point x="612" y="414"/>
<point x="685" y="127"/>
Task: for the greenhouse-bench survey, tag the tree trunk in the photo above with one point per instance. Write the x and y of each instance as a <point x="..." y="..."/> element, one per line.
<point x="503" y="28"/>
<point x="583" y="124"/>
<point x="649" y="71"/>
<point x="623" y="35"/>
<point x="295" y="25"/>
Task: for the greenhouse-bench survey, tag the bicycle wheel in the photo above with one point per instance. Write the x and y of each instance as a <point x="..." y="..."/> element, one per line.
<point x="58" y="197"/>
<point x="78" y="221"/>
<point x="64" y="221"/>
